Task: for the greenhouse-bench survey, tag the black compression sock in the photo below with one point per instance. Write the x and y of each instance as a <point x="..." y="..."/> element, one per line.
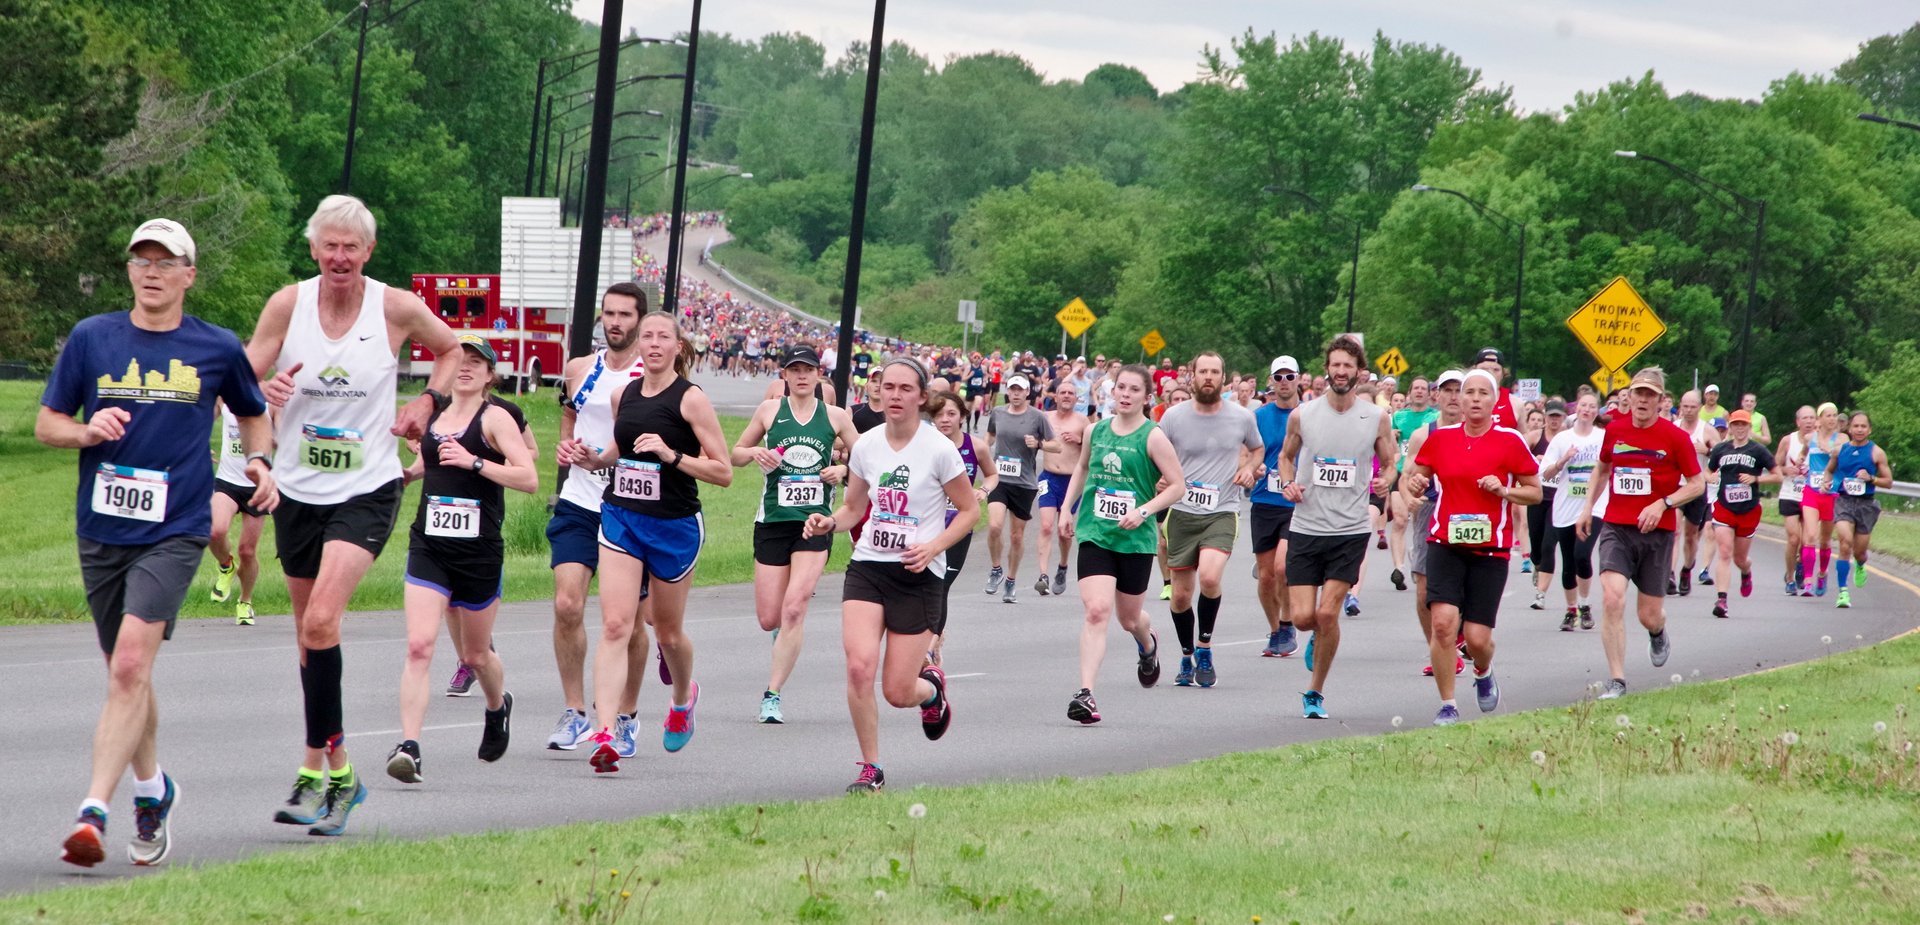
<point x="1183" y="627"/>
<point x="324" y="711"/>
<point x="1209" y="611"/>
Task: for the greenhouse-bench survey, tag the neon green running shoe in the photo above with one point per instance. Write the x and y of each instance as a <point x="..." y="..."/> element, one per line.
<point x="1859" y="574"/>
<point x="223" y="582"/>
<point x="1844" y="600"/>
<point x="243" y="614"/>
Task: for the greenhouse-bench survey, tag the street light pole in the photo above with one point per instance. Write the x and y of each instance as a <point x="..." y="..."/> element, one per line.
<point x="1883" y="120"/>
<point x="586" y="281"/>
<point x="353" y="105"/>
<point x="1353" y="275"/>
<point x="674" y="231"/>
<point x="1510" y="226"/>
<point x="857" y="228"/>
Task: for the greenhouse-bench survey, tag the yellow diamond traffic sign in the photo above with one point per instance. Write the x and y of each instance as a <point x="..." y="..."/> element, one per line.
<point x="1616" y="324"/>
<point x="1391" y="363"/>
<point x="1153" y="343"/>
<point x="1076" y="318"/>
<point x="1607" y="381"/>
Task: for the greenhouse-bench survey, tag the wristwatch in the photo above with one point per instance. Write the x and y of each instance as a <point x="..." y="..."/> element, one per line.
<point x="477" y="463"/>
<point x="440" y="400"/>
<point x="259" y="456"/>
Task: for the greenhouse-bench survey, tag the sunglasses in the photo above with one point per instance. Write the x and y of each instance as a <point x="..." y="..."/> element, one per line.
<point x="1286" y="377"/>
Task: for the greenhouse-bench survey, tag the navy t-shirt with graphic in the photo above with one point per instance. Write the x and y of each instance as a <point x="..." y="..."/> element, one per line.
<point x="167" y="382"/>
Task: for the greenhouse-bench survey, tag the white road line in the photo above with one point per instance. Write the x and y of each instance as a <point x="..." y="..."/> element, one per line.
<point x="395" y="732"/>
<point x="970" y="674"/>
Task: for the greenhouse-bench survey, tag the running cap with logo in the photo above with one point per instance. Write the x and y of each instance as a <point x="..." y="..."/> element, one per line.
<point x="1019" y="382"/>
<point x="1739" y="417"/>
<point x="1450" y="377"/>
<point x="800" y="354"/>
<point x="1652" y="378"/>
<point x="480" y="346"/>
<point x="1490" y="353"/>
<point x="168" y="234"/>
<point x="1283" y="363"/>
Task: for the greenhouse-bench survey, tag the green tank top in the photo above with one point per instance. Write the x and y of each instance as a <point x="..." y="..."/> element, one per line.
<point x="1120" y="478"/>
<point x="794" y="490"/>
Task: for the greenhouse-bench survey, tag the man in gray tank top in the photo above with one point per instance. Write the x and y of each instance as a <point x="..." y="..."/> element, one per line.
<point x="1327" y="467"/>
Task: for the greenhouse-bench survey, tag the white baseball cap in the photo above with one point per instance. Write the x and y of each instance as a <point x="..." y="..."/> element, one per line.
<point x="1019" y="382"/>
<point x="1711" y="388"/>
<point x="1283" y="362"/>
<point x="168" y="234"/>
<point x="1451" y="376"/>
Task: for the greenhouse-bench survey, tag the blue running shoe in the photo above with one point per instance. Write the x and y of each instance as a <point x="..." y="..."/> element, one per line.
<point x="1273" y="646"/>
<point x="1353" y="604"/>
<point x="1487" y="691"/>
<point x="569" y="732"/>
<point x="626" y="735"/>
<point x="1313" y="706"/>
<point x="1526" y="565"/>
<point x="342" y="797"/>
<point x="1185" y="677"/>
<point x="1203" y="673"/>
<point x="1793" y="589"/>
<point x="1289" y="640"/>
<point x="151" y="843"/>
<point x="1448" y="715"/>
<point x="1820" y="585"/>
<point x="1310" y="640"/>
<point x="679" y="724"/>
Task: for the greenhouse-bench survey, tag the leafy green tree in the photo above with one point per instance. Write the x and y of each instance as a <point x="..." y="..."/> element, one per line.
<point x="1887" y="72"/>
<point x="813" y="210"/>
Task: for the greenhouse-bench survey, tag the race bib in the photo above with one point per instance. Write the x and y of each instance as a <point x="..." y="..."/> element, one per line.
<point x="598" y="475"/>
<point x="1274" y="484"/>
<point x="331" y="449"/>
<point x="1795" y="485"/>
<point x="636" y="480"/>
<point x="1007" y="466"/>
<point x="1577" y="482"/>
<point x="454" y="518"/>
<point x="1854" y="487"/>
<point x="1636" y="482"/>
<point x="1736" y="492"/>
<point x="1818" y="481"/>
<point x="1203" y="495"/>
<point x="1112" y="504"/>
<point x="802" y="491"/>
<point x="892" y="533"/>
<point x="1329" y="472"/>
<point x="136" y="494"/>
<point x="235" y="448"/>
<point x="1469" y="530"/>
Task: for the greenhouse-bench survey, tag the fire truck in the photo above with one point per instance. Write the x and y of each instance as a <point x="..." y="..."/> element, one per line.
<point x="525" y="310"/>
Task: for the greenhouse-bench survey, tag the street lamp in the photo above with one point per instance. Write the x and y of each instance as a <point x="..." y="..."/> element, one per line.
<point x="1520" y="264"/>
<point x="1759" y="220"/>
<point x="1353" y="276"/>
<point x="540" y="98"/>
<point x="1883" y="120"/>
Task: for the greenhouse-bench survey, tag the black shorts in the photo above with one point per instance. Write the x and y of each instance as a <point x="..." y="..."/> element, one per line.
<point x="241" y="495"/>
<point x="469" y="581"/>
<point x="1315" y="560"/>
<point x="1471" y="581"/>
<point x="1132" y="571"/>
<point x="1019" y="501"/>
<point x="911" y="603"/>
<point x="301" y="530"/>
<point x="1645" y="558"/>
<point x="1696" y="511"/>
<point x="1269" y="523"/>
<point x="775" y="543"/>
<point x="147" y="581"/>
<point x="1789" y="509"/>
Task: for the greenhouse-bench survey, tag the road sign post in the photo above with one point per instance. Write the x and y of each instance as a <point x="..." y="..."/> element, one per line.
<point x="1608" y="380"/>
<point x="1153" y="343"/>
<point x="1616" y="325"/>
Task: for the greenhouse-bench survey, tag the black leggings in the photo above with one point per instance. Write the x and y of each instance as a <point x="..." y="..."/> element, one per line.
<point x="956" y="559"/>
<point x="1577" y="552"/>
<point x="1539" y="517"/>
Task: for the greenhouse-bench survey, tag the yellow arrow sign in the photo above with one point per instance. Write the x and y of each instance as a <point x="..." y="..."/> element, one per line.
<point x="1616" y="324"/>
<point x="1076" y="318"/>
<point x="1153" y="343"/>
<point x="1607" y="381"/>
<point x="1392" y="363"/>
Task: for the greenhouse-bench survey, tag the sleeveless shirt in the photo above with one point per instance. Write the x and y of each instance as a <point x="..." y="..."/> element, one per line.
<point x="334" y="439"/>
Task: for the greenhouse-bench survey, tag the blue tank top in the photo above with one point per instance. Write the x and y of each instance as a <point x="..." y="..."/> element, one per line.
<point x="1817" y="456"/>
<point x="1272" y="420"/>
<point x="1852" y="460"/>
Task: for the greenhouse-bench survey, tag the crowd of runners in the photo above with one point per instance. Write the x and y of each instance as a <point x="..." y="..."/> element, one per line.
<point x="1128" y="470"/>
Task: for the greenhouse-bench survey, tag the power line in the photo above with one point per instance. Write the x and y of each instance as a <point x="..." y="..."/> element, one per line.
<point x="289" y="55"/>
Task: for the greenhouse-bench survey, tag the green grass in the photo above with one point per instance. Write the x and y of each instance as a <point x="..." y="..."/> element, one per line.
<point x="1766" y="798"/>
<point x="43" y="581"/>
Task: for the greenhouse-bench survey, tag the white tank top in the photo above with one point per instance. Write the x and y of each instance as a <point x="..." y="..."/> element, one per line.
<point x="593" y="423"/>
<point x="334" y="439"/>
<point x="233" y="457"/>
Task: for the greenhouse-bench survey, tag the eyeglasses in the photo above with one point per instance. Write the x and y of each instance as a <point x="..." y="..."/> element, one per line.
<point x="164" y="263"/>
<point x="1286" y="377"/>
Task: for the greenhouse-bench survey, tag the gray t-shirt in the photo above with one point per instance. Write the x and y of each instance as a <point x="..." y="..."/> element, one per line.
<point x="1018" y="464"/>
<point x="1209" y="449"/>
<point x="1335" y="467"/>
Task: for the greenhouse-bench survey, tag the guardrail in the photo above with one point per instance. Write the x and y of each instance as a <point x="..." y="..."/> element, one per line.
<point x="762" y="297"/>
<point x="1904" y="489"/>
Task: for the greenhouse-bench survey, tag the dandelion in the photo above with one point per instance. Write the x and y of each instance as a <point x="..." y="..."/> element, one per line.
<point x="624" y="894"/>
<point x="1826" y="640"/>
<point x="1167" y="918"/>
<point x="1677" y="678"/>
<point x="1622" y="721"/>
<point x="1790" y="738"/>
<point x="1620" y="736"/>
<point x="1397" y="721"/>
<point x="613" y="873"/>
<point x="1880" y="728"/>
<point x="1858" y="638"/>
<point x="917" y="811"/>
<point x="1539" y="758"/>
<point x="880" y="895"/>
<point x="1696" y="672"/>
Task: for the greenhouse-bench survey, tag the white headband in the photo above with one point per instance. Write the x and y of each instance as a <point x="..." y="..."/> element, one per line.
<point x="1483" y="374"/>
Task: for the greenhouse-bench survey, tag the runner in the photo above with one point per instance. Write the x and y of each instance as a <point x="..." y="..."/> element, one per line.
<point x="461" y="684"/>
<point x="1570" y="460"/>
<point x="666" y="439"/>
<point x="1742" y="464"/>
<point x="1537" y="519"/>
<point x="948" y="412"/>
<point x="1219" y="448"/>
<point x="1019" y="432"/>
<point x="144" y="383"/>
<point x="1858" y="468"/>
<point x="1647" y="470"/>
<point x="906" y="473"/>
<point x="1115" y="533"/>
<point x="1817" y="498"/>
<point x="1710" y="403"/>
<point x="1446" y="397"/>
<point x="979" y="396"/>
<point x="1495" y="362"/>
<point x="1762" y="433"/>
<point x="1416" y="414"/>
<point x="573" y="533"/>
<point x="232" y="491"/>
<point x="1271" y="511"/>
<point x="1793" y="482"/>
<point x="1070" y="424"/>
<point x="1481" y="471"/>
<point x="1175" y="396"/>
<point x="470" y="453"/>
<point x="1698" y="510"/>
<point x="792" y="440"/>
<point x="333" y="342"/>
<point x="1340" y="439"/>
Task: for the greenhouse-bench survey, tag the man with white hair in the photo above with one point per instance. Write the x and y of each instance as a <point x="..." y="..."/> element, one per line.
<point x="332" y="343"/>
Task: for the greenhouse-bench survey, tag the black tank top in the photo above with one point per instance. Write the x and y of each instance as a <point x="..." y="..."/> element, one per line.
<point x="443" y="487"/>
<point x="1539" y="447"/>
<point x="656" y="414"/>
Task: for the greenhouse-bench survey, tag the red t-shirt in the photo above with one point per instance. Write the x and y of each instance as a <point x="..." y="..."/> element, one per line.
<point x="1463" y="514"/>
<point x="1648" y="463"/>
<point x="1160" y="379"/>
<point x="1503" y="415"/>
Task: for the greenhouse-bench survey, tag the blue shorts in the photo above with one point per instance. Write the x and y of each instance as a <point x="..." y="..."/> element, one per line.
<point x="1054" y="489"/>
<point x="669" y="548"/>
<point x="573" y="535"/>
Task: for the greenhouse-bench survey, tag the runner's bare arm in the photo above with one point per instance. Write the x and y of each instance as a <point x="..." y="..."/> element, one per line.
<point x="712" y="465"/>
<point x="269" y="335"/>
<point x="1160" y="450"/>
<point x="256" y="438"/>
<point x="408" y="317"/>
<point x="64" y="432"/>
<point x="518" y="473"/>
<point x="1075" y="486"/>
<point x="747" y="450"/>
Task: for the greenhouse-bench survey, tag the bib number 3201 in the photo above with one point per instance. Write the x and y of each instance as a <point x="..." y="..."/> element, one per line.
<point x="453" y="518"/>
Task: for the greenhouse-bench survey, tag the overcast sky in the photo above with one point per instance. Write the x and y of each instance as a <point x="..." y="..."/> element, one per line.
<point x="1546" y="50"/>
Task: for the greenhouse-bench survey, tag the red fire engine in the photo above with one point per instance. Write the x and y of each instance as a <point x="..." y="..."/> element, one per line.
<point x="531" y="343"/>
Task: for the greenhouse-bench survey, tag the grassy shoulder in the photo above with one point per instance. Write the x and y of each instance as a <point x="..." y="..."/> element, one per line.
<point x="36" y="528"/>
<point x="1786" y="795"/>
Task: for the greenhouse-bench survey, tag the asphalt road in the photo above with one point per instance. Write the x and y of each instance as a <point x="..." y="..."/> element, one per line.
<point x="231" y="721"/>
